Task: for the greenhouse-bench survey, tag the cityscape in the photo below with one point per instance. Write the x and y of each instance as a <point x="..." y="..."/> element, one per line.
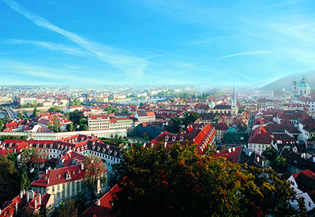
<point x="157" y="108"/>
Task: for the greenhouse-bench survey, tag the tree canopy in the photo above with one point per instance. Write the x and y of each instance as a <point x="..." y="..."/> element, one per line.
<point x="94" y="172"/>
<point x="9" y="180"/>
<point x="180" y="182"/>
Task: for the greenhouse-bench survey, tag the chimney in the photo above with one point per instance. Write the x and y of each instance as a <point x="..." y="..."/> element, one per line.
<point x="21" y="194"/>
<point x="98" y="202"/>
<point x="39" y="199"/>
<point x="27" y="197"/>
<point x="233" y="149"/>
<point x="165" y="144"/>
<point x="0" y="211"/>
<point x="35" y="203"/>
<point x="16" y="207"/>
<point x="229" y="150"/>
<point x="82" y="166"/>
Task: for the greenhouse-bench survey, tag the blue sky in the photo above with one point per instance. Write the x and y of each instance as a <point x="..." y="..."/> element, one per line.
<point x="155" y="41"/>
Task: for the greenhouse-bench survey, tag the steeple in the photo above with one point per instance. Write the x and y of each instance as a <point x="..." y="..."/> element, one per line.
<point x="233" y="103"/>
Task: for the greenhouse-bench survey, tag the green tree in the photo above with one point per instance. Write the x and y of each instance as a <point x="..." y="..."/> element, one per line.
<point x="29" y="156"/>
<point x="25" y="182"/>
<point x="9" y="180"/>
<point x="35" y="112"/>
<point x="180" y="182"/>
<point x="56" y="124"/>
<point x="70" y="127"/>
<point x="270" y="153"/>
<point x="173" y="125"/>
<point x="20" y="115"/>
<point x="94" y="172"/>
<point x="1" y="124"/>
<point x="191" y="118"/>
<point x="68" y="209"/>
<point x="279" y="164"/>
<point x="11" y="156"/>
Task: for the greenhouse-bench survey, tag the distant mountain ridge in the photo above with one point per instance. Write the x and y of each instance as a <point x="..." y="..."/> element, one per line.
<point x="287" y="81"/>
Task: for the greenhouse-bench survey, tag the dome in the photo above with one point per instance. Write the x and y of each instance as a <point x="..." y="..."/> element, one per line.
<point x="304" y="85"/>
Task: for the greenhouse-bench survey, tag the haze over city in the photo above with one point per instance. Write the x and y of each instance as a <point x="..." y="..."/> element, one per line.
<point x="155" y="42"/>
<point x="144" y="108"/>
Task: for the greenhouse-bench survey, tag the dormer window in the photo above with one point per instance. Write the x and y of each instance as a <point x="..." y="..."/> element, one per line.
<point x="51" y="145"/>
<point x="10" y="144"/>
<point x="93" y="147"/>
<point x="174" y="138"/>
<point x="181" y="138"/>
<point x="31" y="145"/>
<point x="98" y="148"/>
<point x="68" y="176"/>
<point x="103" y="150"/>
<point x="44" y="145"/>
<point x="79" y="171"/>
<point x="37" y="145"/>
<point x="58" y="146"/>
<point x="58" y="176"/>
<point x="73" y="173"/>
<point x="166" y="138"/>
<point x="107" y="146"/>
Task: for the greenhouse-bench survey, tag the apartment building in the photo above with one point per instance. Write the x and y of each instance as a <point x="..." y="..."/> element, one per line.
<point x="98" y="122"/>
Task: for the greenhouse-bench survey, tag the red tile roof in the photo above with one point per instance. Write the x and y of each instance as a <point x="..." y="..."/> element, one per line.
<point x="58" y="176"/>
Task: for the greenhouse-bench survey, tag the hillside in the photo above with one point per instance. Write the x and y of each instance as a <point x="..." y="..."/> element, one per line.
<point x="287" y="81"/>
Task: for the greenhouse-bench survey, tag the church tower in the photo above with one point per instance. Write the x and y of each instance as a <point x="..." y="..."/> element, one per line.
<point x="233" y="103"/>
<point x="295" y="90"/>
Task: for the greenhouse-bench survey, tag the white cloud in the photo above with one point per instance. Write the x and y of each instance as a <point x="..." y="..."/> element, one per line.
<point x="131" y="65"/>
<point x="52" y="46"/>
<point x="245" y="54"/>
<point x="61" y="74"/>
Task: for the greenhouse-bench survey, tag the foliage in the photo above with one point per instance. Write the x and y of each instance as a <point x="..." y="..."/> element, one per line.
<point x="277" y="163"/>
<point x="125" y="110"/>
<point x="191" y="118"/>
<point x="94" y="171"/>
<point x="25" y="182"/>
<point x="20" y="115"/>
<point x="55" y="109"/>
<point x="9" y="179"/>
<point x="70" y="127"/>
<point x="173" y="125"/>
<point x="68" y="209"/>
<point x="270" y="153"/>
<point x="1" y="124"/>
<point x="35" y="112"/>
<point x="75" y="102"/>
<point x="180" y="182"/>
<point x="280" y="164"/>
<point x="29" y="156"/>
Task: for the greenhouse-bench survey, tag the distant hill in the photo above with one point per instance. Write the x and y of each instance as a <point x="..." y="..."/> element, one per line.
<point x="287" y="81"/>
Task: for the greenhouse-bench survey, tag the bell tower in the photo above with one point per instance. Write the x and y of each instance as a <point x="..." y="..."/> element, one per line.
<point x="295" y="90"/>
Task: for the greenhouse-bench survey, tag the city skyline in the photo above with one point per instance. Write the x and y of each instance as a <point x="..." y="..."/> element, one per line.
<point x="155" y="42"/>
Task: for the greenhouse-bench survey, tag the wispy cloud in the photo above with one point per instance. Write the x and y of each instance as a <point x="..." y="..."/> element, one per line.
<point x="52" y="46"/>
<point x="131" y="65"/>
<point x="245" y="54"/>
<point x="155" y="56"/>
<point x="62" y="75"/>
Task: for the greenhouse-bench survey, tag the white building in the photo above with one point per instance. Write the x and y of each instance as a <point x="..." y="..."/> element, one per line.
<point x="303" y="184"/>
